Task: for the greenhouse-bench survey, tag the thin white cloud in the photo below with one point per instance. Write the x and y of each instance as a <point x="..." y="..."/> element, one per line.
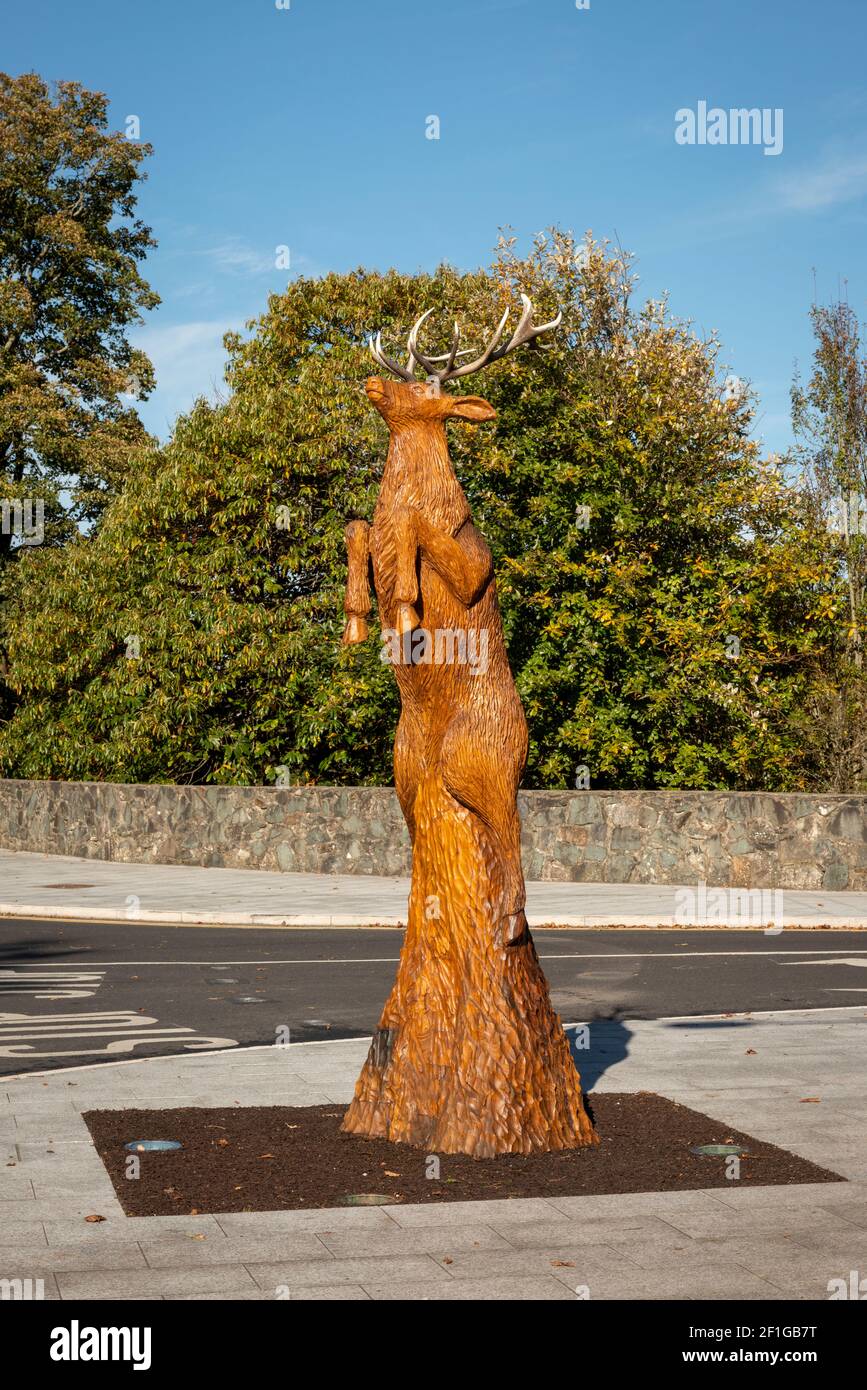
<point x="827" y="184"/>
<point x="189" y="360"/>
<point x="235" y="257"/>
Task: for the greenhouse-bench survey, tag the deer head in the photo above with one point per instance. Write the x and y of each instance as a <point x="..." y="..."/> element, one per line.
<point x="410" y="402"/>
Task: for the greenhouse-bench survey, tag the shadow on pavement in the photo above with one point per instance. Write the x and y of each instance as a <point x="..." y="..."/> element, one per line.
<point x="597" y="1045"/>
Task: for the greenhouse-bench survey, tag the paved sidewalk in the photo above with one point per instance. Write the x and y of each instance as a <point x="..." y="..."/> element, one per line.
<point x="757" y="1243"/>
<point x="54" y="886"/>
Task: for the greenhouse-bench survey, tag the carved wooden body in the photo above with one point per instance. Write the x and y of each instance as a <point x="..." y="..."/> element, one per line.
<point x="469" y="1056"/>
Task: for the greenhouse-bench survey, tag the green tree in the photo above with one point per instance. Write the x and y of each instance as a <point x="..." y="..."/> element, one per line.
<point x="663" y="599"/>
<point x="69" y="290"/>
<point x="829" y="418"/>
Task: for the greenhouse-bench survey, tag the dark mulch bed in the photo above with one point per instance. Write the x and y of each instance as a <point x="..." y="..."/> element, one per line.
<point x="270" y="1158"/>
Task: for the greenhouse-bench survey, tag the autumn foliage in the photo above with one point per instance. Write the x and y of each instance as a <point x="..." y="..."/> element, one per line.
<point x="668" y="599"/>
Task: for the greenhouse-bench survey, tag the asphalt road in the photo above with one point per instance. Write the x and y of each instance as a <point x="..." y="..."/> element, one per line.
<point x="78" y="993"/>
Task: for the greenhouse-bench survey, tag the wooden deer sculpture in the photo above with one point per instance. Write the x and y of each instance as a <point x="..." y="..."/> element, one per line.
<point x="469" y="1056"/>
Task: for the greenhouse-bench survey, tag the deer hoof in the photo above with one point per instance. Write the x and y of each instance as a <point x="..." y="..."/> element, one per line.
<point x="407" y="619"/>
<point x="355" y="631"/>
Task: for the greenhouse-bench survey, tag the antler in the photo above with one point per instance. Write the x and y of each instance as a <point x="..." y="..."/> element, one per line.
<point x="526" y="332"/>
<point x="405" y="373"/>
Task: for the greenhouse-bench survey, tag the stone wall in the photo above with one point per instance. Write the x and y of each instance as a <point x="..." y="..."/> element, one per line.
<point x="737" y="839"/>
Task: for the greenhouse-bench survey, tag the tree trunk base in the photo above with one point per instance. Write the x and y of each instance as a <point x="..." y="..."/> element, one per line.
<point x="469" y="1056"/>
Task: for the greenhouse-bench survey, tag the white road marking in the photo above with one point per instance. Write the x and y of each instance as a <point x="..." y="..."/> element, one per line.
<point x="129" y="1030"/>
<point x="79" y="985"/>
<point x="847" y="960"/>
<point x="392" y="960"/>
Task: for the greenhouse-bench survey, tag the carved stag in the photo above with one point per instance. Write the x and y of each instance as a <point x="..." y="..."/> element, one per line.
<point x="469" y="1055"/>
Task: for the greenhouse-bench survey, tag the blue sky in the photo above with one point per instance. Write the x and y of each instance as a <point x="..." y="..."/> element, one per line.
<point x="305" y="127"/>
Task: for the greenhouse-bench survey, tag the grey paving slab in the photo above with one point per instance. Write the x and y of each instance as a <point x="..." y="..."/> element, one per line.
<point x="117" y="1255"/>
<point x="709" y="1284"/>
<point x="341" y="1293"/>
<point x="322" y="1219"/>
<point x="138" y="1283"/>
<point x="44" y="1149"/>
<point x="856" y="1212"/>
<point x="72" y="1172"/>
<point x="676" y="1251"/>
<point x="456" y="1213"/>
<point x="224" y="1296"/>
<point x="629" y="1204"/>
<point x="757" y="1219"/>
<point x="295" y="1274"/>
<point x="525" y="1289"/>
<point x="23" y="1209"/>
<point x="168" y="1253"/>
<point x="413" y="1240"/>
<point x="95" y="1196"/>
<point x="129" y="1228"/>
<point x="544" y="1233"/>
<point x="15" y="1233"/>
<point x="808" y="1194"/>
<point x="13" y="1189"/>
<point x="48" y="1137"/>
<point x="805" y="1274"/>
<point x="584" y="1260"/>
<point x="21" y="1103"/>
<point x="835" y="1242"/>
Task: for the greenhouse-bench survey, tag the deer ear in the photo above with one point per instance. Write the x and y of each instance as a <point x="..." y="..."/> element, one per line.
<point x="471" y="408"/>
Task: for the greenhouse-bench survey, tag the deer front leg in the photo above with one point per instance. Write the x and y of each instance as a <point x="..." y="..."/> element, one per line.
<point x="406" y="579"/>
<point x="463" y="561"/>
<point x="356" y="605"/>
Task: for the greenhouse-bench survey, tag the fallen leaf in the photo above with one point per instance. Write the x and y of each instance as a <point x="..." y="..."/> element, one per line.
<point x="198" y="1237"/>
<point x="95" y="1218"/>
<point x="390" y="1174"/>
<point x="750" y="1052"/>
<point x="447" y="1260"/>
<point x="222" y="1143"/>
<point x="810" y="1100"/>
<point x="563" y="1264"/>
